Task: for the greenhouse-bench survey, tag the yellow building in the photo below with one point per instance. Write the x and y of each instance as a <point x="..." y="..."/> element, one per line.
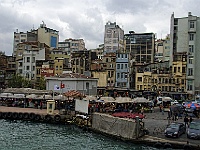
<point x="58" y="66"/>
<point x="179" y="72"/>
<point x="102" y="76"/>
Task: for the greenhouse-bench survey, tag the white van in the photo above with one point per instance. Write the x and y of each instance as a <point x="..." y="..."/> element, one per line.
<point x="162" y="100"/>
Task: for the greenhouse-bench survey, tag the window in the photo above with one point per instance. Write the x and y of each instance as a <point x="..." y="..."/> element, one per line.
<point x="122" y="66"/>
<point x="174" y="69"/>
<point x="191" y="37"/>
<point x="33" y="68"/>
<point x="191" y="48"/>
<point x="140" y="79"/>
<point x="191" y="59"/>
<point x="56" y="67"/>
<point x="122" y="76"/>
<point x="179" y="69"/>
<point x="191" y="24"/>
<point x="125" y="76"/>
<point x="183" y="70"/>
<point x="189" y="85"/>
<point x="60" y="67"/>
<point x="190" y="71"/>
<point x="118" y="75"/>
<point x="126" y="56"/>
<point x="28" y="59"/>
<point x="118" y="66"/>
<point x="126" y="66"/>
<point x="27" y="67"/>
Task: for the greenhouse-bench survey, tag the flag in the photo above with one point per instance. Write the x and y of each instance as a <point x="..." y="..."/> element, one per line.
<point x="56" y="87"/>
<point x="62" y="85"/>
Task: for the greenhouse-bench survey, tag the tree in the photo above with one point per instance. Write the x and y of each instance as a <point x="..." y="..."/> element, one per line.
<point x="41" y="83"/>
<point x="17" y="81"/>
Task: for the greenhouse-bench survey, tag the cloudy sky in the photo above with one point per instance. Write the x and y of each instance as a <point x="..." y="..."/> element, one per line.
<point x="87" y="18"/>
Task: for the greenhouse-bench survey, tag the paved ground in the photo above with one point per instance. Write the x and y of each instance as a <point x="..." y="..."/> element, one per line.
<point x="156" y="123"/>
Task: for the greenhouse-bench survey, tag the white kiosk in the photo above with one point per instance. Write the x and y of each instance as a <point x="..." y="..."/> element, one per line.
<point x="50" y="106"/>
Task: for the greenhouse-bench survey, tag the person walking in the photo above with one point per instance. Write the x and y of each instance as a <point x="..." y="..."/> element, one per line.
<point x="186" y="120"/>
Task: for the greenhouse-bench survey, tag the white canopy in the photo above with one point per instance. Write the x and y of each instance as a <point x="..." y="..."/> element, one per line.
<point x="44" y="97"/>
<point x="6" y="95"/>
<point x="140" y="100"/>
<point x="32" y="96"/>
<point x="90" y="97"/>
<point x="107" y="99"/>
<point x="123" y="100"/>
<point x="60" y="97"/>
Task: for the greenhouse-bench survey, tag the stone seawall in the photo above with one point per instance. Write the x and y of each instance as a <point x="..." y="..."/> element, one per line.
<point x="120" y="127"/>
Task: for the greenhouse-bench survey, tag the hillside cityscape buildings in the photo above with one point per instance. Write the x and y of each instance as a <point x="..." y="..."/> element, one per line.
<point x="125" y="63"/>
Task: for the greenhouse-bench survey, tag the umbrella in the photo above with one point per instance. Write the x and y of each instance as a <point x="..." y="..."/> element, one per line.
<point x="192" y="105"/>
<point x="140" y="100"/>
<point x="90" y="97"/>
<point x="107" y="99"/>
<point x="123" y="100"/>
<point x="6" y="95"/>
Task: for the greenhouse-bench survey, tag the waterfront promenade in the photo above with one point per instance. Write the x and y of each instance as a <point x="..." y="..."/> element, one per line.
<point x="156" y="123"/>
<point x="25" y="110"/>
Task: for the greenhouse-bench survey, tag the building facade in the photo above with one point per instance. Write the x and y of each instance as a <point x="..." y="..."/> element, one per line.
<point x="113" y="38"/>
<point x="185" y="36"/>
<point x="73" y="81"/>
<point x="122" y="71"/>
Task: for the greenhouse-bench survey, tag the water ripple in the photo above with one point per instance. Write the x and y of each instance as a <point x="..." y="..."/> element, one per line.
<point x="20" y="135"/>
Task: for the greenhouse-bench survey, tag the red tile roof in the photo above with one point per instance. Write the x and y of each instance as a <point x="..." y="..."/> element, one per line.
<point x="74" y="93"/>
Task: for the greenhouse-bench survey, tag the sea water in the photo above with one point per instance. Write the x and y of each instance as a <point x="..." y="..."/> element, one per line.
<point x="23" y="135"/>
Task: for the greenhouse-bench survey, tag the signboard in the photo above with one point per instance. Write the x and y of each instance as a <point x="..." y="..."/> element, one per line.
<point x="81" y="106"/>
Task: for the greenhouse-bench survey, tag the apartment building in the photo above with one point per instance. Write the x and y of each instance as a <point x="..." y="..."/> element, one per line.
<point x="113" y="38"/>
<point x="70" y="45"/>
<point x="185" y="37"/>
<point x="27" y="54"/>
<point x="43" y="34"/>
<point x="122" y="71"/>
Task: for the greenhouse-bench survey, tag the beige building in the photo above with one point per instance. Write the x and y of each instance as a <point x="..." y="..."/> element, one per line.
<point x="109" y="60"/>
<point x="58" y="66"/>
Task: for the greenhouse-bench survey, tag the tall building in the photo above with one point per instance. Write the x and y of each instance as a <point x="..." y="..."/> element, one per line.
<point x="185" y="37"/>
<point x="113" y="38"/>
<point x="141" y="50"/>
<point x="43" y="34"/>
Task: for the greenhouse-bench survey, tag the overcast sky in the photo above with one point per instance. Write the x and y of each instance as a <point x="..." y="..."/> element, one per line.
<point x="86" y="19"/>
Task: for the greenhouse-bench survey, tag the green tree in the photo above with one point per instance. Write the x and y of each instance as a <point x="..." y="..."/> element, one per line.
<point x="41" y="83"/>
<point x="17" y="81"/>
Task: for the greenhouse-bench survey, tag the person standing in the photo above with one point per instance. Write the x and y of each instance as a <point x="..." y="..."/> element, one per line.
<point x="186" y="120"/>
<point x="41" y="104"/>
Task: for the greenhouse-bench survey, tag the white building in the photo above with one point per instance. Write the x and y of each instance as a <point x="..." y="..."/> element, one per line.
<point x="72" y="81"/>
<point x="185" y="37"/>
<point x="113" y="38"/>
<point x="27" y="55"/>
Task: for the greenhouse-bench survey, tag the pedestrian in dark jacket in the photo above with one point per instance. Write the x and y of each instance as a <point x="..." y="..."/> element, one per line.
<point x="186" y="120"/>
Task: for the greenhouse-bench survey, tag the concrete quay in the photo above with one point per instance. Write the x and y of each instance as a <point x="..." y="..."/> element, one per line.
<point x="156" y="123"/>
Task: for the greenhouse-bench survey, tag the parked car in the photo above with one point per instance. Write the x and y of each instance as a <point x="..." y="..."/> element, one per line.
<point x="175" y="130"/>
<point x="193" y="131"/>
